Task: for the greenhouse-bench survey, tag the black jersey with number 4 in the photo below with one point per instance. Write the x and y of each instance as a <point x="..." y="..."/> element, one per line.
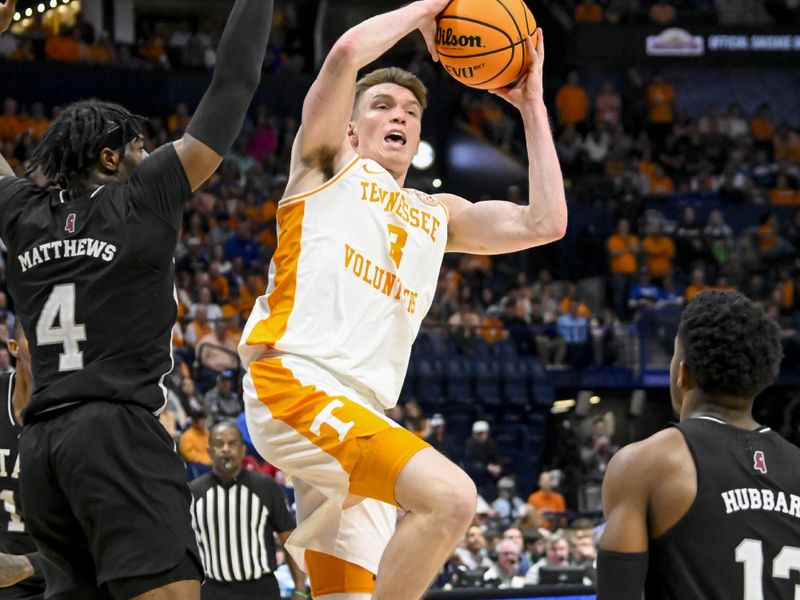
<point x="14" y="536"/>
<point x="93" y="281"/>
<point x="740" y="540"/>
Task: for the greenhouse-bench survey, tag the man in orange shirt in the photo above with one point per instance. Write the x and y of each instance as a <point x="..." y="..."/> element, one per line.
<point x="589" y="11"/>
<point x="546" y="499"/>
<point x="572" y="102"/>
<point x="62" y="46"/>
<point x="659" y="251"/>
<point x="623" y="248"/>
<point x="697" y="285"/>
<point x="193" y="444"/>
<point x="660" y="101"/>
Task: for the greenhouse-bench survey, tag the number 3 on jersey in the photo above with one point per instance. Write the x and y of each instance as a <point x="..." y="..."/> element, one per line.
<point x="396" y="245"/>
<point x="61" y="305"/>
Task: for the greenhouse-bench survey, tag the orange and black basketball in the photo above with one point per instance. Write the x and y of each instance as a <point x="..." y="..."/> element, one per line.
<point x="481" y="43"/>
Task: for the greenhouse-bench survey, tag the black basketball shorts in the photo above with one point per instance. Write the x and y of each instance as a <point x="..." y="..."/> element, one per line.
<point x="104" y="495"/>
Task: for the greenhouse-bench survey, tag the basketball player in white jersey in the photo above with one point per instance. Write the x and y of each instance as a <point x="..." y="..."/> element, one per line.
<point x="355" y="272"/>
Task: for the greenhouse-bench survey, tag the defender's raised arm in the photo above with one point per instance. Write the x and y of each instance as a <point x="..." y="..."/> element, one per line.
<point x="222" y="110"/>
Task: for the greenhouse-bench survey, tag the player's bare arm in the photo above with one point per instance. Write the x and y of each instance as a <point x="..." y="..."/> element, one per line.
<point x="322" y="142"/>
<point x="222" y="110"/>
<point x="14" y="568"/>
<point x="647" y="488"/>
<point x="7" y="9"/>
<point x="498" y="227"/>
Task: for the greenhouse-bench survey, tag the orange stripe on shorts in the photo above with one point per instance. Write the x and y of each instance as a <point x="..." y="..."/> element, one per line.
<point x="368" y="447"/>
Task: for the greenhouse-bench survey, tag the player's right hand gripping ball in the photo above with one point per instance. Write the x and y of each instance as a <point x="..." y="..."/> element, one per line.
<point x="481" y="43"/>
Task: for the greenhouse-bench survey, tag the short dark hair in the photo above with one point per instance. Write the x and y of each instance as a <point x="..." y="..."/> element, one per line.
<point x="731" y="346"/>
<point x="225" y="423"/>
<point x="71" y="146"/>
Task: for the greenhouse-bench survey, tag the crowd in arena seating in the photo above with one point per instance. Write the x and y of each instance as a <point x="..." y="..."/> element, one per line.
<point x="624" y="147"/>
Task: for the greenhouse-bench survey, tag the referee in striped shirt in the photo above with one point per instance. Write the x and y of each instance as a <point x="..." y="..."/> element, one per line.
<point x="235" y="513"/>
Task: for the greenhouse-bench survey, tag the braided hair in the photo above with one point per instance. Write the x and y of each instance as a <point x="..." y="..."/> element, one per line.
<point x="71" y="146"/>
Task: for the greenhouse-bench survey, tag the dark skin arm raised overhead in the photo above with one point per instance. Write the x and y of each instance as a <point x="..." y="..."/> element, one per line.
<point x="221" y="112"/>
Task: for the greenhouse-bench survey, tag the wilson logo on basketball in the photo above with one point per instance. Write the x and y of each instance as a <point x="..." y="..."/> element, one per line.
<point x="446" y="37"/>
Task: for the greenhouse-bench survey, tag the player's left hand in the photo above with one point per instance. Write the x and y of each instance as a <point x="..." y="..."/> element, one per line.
<point x="14" y="568"/>
<point x="529" y="88"/>
<point x="7" y="9"/>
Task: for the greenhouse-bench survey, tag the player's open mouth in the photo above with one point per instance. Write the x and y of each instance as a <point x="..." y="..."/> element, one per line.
<point x="226" y="463"/>
<point x="395" y="137"/>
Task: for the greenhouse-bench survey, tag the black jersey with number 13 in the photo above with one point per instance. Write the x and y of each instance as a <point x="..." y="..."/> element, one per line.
<point x="93" y="281"/>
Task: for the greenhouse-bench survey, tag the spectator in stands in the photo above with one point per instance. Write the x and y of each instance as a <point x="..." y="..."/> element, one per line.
<point x="623" y="250"/>
<point x="264" y="139"/>
<point x="597" y="451"/>
<point x="645" y="294"/>
<point x="198" y="328"/>
<point x="193" y="445"/>
<point x="584" y="552"/>
<point x="762" y="127"/>
<point x="534" y="546"/>
<point x="439" y="438"/>
<point x="507" y="502"/>
<point x="696" y="285"/>
<point x="574" y="329"/>
<point x="8" y="45"/>
<point x="414" y="419"/>
<point x="473" y="553"/>
<point x="689" y="243"/>
<point x="589" y="11"/>
<point x="595" y="148"/>
<point x="660" y="183"/>
<point x="546" y="500"/>
<point x="217" y="351"/>
<point x="659" y="252"/>
<point x="557" y="554"/>
<point x="572" y="296"/>
<point x="63" y="46"/>
<point x="608" y="107"/>
<point x="11" y="124"/>
<point x="223" y="400"/>
<point x="179" y="120"/>
<point x="154" y="50"/>
<point x="498" y="125"/>
<point x="102" y="51"/>
<point x="5" y="359"/>
<point x="242" y="245"/>
<point x="505" y="573"/>
<point x="550" y="346"/>
<point x="783" y="193"/>
<point x="38" y="122"/>
<point x="572" y="102"/>
<point x="660" y="102"/>
<point x="465" y="327"/>
<point x="662" y="13"/>
<point x="482" y="460"/>
<point x="204" y="300"/>
<point x="569" y="146"/>
<point x="771" y="244"/>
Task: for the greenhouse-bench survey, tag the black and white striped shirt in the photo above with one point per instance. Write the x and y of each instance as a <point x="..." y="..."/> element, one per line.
<point x="234" y="523"/>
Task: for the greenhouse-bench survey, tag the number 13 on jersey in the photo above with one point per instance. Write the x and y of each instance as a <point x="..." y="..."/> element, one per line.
<point x="60" y="305"/>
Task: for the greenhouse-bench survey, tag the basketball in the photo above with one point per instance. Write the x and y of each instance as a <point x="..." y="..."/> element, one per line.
<point x="481" y="43"/>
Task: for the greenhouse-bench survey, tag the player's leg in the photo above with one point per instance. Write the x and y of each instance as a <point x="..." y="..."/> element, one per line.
<point x="126" y="487"/>
<point x="68" y="565"/>
<point x="440" y="499"/>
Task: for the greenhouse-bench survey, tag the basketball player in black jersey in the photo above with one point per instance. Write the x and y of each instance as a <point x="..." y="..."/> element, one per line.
<point x="20" y="564"/>
<point x="90" y="267"/>
<point x="708" y="509"/>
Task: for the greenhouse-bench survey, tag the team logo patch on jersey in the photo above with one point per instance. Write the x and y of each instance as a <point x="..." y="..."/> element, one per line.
<point x="427" y="198"/>
<point x="70" y="225"/>
<point x="759" y="462"/>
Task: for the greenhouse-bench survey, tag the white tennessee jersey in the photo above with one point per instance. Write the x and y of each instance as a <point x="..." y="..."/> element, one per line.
<point x="354" y="274"/>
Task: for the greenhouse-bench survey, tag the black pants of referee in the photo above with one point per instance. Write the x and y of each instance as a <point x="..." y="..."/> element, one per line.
<point x="265" y="588"/>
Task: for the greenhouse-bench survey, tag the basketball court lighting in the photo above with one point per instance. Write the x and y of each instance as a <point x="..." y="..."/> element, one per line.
<point x="53" y="3"/>
<point x="41" y="8"/>
<point x="424" y="157"/>
<point x="17" y="16"/>
<point x="28" y="12"/>
<point x="437" y="183"/>
<point x="594" y="400"/>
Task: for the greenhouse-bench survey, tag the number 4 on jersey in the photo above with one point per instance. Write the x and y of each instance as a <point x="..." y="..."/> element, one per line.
<point x="61" y="305"/>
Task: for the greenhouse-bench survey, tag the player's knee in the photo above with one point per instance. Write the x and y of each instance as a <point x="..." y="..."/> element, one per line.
<point x="458" y="502"/>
